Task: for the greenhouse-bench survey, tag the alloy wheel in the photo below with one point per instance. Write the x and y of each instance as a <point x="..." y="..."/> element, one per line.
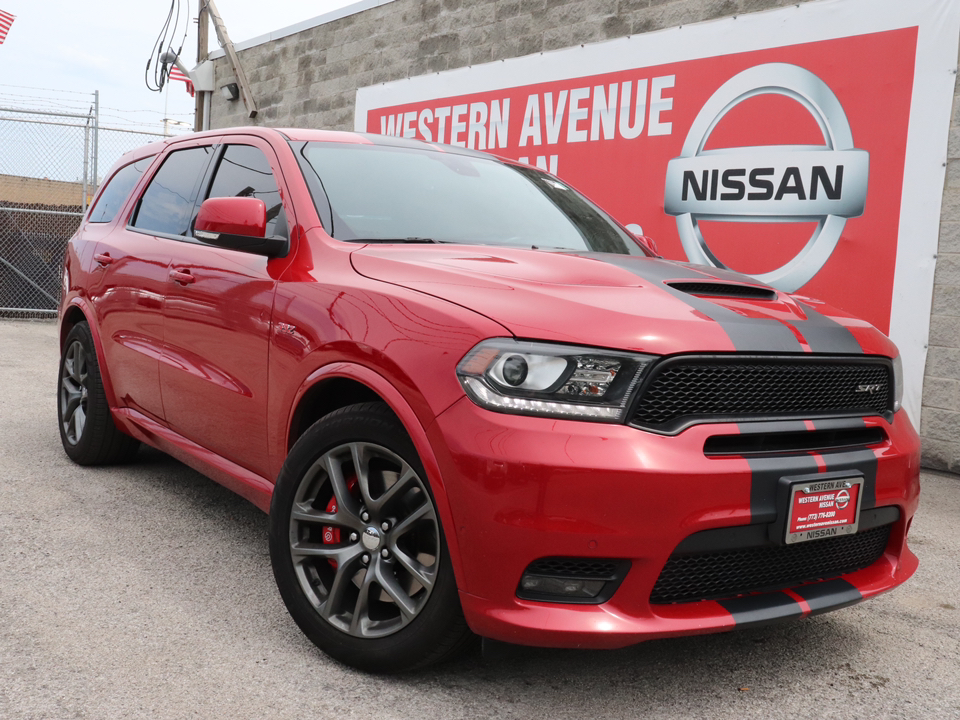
<point x="74" y="389"/>
<point x="364" y="539"/>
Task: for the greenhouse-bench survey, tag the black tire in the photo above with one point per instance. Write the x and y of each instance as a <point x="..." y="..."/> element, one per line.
<point x="87" y="430"/>
<point x="377" y="594"/>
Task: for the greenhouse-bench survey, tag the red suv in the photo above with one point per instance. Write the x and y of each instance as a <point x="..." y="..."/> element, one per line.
<point x="473" y="403"/>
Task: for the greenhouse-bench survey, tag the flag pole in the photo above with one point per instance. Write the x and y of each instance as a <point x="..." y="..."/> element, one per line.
<point x="166" y="104"/>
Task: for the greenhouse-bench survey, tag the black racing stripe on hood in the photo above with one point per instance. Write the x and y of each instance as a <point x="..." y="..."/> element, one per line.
<point x="762" y="609"/>
<point x="829" y="595"/>
<point x="746" y="334"/>
<point x="824" y="335"/>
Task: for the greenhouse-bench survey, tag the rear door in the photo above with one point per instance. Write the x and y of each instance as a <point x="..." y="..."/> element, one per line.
<point x="217" y="319"/>
<point x="130" y="272"/>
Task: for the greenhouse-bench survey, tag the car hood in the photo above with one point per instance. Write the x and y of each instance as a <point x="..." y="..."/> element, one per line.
<point x="619" y="301"/>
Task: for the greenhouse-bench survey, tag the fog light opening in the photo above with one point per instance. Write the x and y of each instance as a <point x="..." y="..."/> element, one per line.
<point x="562" y="587"/>
<point x="572" y="580"/>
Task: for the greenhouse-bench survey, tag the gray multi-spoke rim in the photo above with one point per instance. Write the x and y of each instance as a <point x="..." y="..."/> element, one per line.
<point x="74" y="389"/>
<point x="378" y="576"/>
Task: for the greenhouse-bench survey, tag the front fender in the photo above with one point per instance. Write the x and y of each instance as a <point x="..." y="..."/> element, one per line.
<point x="415" y="429"/>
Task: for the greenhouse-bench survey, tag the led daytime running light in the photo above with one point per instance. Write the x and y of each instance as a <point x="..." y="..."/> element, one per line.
<point x="528" y="406"/>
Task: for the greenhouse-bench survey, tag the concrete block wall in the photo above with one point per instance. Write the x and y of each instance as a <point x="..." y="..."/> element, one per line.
<point x="310" y="79"/>
<point x="940" y="425"/>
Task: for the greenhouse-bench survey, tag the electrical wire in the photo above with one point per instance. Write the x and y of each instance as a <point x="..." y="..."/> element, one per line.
<point x="28" y="87"/>
<point x="164" y="44"/>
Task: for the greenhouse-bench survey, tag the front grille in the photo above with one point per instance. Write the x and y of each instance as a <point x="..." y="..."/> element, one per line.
<point x="792" y="442"/>
<point x="683" y="390"/>
<point x="729" y="573"/>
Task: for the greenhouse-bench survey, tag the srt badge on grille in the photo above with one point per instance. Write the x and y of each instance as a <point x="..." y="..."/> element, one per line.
<point x="871" y="389"/>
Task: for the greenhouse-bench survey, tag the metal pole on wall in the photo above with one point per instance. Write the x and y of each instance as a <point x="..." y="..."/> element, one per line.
<point x="201" y="116"/>
<point x="245" y="93"/>
<point x="96" y="139"/>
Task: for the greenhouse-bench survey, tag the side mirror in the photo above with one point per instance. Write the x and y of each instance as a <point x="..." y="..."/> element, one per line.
<point x="648" y="242"/>
<point x="237" y="223"/>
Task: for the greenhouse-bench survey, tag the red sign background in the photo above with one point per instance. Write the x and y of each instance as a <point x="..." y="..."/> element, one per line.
<point x="871" y="75"/>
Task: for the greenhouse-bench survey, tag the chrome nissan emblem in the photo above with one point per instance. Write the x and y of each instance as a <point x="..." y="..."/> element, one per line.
<point x="370" y="538"/>
<point x="842" y="499"/>
<point x="770" y="183"/>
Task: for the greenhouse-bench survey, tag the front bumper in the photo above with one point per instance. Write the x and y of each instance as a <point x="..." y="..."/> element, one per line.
<point x="523" y="488"/>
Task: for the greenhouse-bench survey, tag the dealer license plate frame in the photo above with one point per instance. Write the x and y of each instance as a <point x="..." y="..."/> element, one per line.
<point x="807" y="528"/>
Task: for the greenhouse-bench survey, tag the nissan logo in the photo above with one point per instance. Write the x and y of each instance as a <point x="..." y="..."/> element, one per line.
<point x="770" y="183"/>
<point x="842" y="499"/>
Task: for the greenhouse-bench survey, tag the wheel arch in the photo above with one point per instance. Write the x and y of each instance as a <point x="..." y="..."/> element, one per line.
<point x="75" y="312"/>
<point x="72" y="316"/>
<point x="340" y="384"/>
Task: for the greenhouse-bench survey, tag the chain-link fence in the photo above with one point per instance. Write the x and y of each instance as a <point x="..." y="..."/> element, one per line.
<point x="50" y="166"/>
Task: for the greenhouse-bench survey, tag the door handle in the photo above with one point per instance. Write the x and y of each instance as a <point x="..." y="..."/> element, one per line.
<point x="103" y="259"/>
<point x="182" y="276"/>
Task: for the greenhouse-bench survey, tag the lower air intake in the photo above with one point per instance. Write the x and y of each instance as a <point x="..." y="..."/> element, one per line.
<point x="729" y="573"/>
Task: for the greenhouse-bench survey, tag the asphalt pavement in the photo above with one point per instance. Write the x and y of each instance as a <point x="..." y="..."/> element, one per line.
<point x="146" y="591"/>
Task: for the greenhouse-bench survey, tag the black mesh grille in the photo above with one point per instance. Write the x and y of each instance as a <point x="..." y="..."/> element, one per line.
<point x="723" y="290"/>
<point x="685" y="389"/>
<point x="583" y="568"/>
<point x="728" y="573"/>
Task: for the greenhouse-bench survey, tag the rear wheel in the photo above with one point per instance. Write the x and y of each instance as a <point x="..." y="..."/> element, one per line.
<point x="357" y="547"/>
<point x="87" y="430"/>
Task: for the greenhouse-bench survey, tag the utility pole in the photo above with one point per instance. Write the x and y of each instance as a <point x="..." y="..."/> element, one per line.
<point x="221" y="31"/>
<point x="203" y="42"/>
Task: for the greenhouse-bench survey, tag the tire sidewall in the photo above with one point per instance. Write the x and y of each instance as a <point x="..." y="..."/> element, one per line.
<point x="81" y="333"/>
<point x="401" y="650"/>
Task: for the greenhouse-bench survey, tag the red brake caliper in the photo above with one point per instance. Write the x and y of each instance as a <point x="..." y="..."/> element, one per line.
<point x="331" y="535"/>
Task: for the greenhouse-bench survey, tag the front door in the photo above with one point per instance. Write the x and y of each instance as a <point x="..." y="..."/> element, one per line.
<point x="217" y="323"/>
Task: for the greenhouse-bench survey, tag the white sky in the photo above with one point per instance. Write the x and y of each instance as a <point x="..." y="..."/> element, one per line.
<point x="59" y="51"/>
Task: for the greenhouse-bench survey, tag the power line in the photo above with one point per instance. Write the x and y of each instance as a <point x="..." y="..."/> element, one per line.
<point x="162" y="47"/>
<point x="28" y="87"/>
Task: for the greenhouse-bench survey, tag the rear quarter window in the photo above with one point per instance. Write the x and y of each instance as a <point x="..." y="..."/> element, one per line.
<point x="117" y="189"/>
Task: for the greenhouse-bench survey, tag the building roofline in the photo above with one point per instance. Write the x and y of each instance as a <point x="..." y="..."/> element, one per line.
<point x="341" y="12"/>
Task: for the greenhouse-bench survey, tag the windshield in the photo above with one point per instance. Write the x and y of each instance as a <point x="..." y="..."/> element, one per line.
<point x="393" y="194"/>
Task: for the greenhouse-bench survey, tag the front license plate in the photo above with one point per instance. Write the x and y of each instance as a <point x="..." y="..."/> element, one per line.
<point x="823" y="509"/>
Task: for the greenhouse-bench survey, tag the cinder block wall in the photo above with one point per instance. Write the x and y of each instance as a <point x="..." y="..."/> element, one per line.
<point x="310" y="79"/>
<point x="940" y="426"/>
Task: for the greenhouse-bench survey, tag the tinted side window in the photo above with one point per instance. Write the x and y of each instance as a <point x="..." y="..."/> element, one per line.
<point x="168" y="201"/>
<point x="116" y="191"/>
<point x="245" y="172"/>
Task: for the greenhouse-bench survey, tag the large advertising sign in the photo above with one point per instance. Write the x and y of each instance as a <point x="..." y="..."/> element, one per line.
<point x="804" y="146"/>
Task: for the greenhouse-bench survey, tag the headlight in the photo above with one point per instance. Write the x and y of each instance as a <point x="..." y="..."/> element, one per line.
<point x="897" y="383"/>
<point x="529" y="378"/>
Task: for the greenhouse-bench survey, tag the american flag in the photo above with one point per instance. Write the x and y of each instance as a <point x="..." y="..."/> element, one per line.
<point x="177" y="74"/>
<point x="6" y="20"/>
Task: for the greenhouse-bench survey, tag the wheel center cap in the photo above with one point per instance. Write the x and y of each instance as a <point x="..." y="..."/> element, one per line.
<point x="370" y="538"/>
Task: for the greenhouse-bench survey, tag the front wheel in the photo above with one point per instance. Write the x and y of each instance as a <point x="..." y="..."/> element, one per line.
<point x="357" y="548"/>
